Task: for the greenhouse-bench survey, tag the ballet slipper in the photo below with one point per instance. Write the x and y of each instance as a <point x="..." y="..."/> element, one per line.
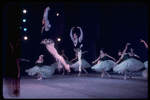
<point x="39" y="78"/>
<point x="68" y="68"/>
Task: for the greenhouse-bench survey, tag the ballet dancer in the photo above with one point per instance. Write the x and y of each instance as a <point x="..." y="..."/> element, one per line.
<point x="126" y="63"/>
<point x="77" y="44"/>
<point x="49" y="43"/>
<point x="132" y="55"/>
<point x="42" y="71"/>
<point x="103" y="64"/>
<point x="145" y="72"/>
<point x="83" y="65"/>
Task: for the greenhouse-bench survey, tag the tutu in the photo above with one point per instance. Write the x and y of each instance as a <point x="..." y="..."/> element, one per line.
<point x="145" y="73"/>
<point x="146" y="64"/>
<point x="130" y="64"/>
<point x="103" y="65"/>
<point x="45" y="71"/>
<point x="84" y="64"/>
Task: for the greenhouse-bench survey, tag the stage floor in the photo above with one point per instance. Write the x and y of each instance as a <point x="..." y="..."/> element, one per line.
<point x="83" y="87"/>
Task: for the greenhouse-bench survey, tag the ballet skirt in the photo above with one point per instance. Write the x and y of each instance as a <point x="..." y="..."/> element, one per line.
<point x="84" y="64"/>
<point x="129" y="64"/>
<point x="45" y="70"/>
<point x="145" y="73"/>
<point x="104" y="64"/>
<point x="146" y="64"/>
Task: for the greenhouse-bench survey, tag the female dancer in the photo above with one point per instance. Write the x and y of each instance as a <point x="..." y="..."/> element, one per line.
<point x="49" y="43"/>
<point x="132" y="55"/>
<point x="77" y="65"/>
<point x="145" y="72"/>
<point x="103" y="65"/>
<point x="127" y="64"/>
<point x="42" y="71"/>
<point x="77" y="44"/>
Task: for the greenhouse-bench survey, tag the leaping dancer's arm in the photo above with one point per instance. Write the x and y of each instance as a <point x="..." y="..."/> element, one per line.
<point x="81" y="35"/>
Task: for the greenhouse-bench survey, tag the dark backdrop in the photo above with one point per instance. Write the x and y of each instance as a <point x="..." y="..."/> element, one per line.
<point x="108" y="25"/>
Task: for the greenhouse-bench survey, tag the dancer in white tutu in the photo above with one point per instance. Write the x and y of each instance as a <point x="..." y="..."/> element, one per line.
<point x="77" y="44"/>
<point x="104" y="65"/>
<point x="49" y="43"/>
<point x="132" y="55"/>
<point x="145" y="72"/>
<point x="42" y="71"/>
<point x="127" y="64"/>
<point x="76" y="66"/>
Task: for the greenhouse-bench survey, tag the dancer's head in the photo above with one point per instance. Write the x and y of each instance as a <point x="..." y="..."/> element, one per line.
<point x="102" y="51"/>
<point x="41" y="56"/>
<point x="43" y="21"/>
<point x="75" y="36"/>
<point x="131" y="50"/>
<point x="119" y="53"/>
<point x="62" y="50"/>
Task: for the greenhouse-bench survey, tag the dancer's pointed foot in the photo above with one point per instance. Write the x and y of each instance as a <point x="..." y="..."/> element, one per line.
<point x="124" y="78"/>
<point x="68" y="68"/>
<point x="40" y="78"/>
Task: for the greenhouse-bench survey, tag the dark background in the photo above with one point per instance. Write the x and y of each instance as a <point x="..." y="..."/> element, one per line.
<point x="108" y="25"/>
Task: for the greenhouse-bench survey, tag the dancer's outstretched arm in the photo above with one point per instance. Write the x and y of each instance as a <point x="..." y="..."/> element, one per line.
<point x="118" y="60"/>
<point x="96" y="59"/>
<point x="74" y="59"/>
<point x="63" y="55"/>
<point x="110" y="57"/>
<point x="124" y="51"/>
<point x="81" y="35"/>
<point x="45" y="15"/>
<point x="84" y="52"/>
<point x="136" y="55"/>
<point x="144" y="43"/>
<point x="71" y="34"/>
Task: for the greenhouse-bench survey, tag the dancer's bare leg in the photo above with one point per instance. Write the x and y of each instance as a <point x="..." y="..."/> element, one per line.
<point x="125" y="76"/>
<point x="53" y="51"/>
<point x="40" y="77"/>
<point x="80" y="62"/>
<point x="107" y="74"/>
<point x="63" y="70"/>
<point x="84" y="70"/>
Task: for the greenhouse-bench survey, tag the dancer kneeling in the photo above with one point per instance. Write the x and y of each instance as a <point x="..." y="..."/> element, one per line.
<point x="104" y="65"/>
<point x="42" y="71"/>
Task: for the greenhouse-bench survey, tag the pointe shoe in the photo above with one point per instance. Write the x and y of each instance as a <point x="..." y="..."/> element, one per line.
<point x="68" y="68"/>
<point x="39" y="78"/>
<point x="124" y="78"/>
